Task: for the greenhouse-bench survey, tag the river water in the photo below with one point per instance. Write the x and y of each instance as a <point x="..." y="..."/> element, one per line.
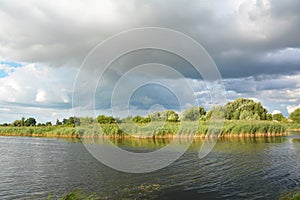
<point x="263" y="168"/>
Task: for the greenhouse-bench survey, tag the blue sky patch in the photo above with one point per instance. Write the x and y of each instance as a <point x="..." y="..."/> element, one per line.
<point x="11" y="63"/>
<point x="2" y="73"/>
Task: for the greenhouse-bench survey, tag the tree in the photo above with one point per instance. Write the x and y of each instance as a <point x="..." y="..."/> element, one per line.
<point x="58" y="123"/>
<point x="86" y="120"/>
<point x="156" y="116"/>
<point x="248" y="115"/>
<point x="269" y="117"/>
<point x="71" y="121"/>
<point x="17" y="123"/>
<point x="235" y="109"/>
<point x="30" y="121"/>
<point x="171" y="116"/>
<point x="102" y="119"/>
<point x="279" y="117"/>
<point x="295" y="116"/>
<point x="48" y="124"/>
<point x="216" y="112"/>
<point x="139" y="119"/>
<point x="22" y="121"/>
<point x="193" y="113"/>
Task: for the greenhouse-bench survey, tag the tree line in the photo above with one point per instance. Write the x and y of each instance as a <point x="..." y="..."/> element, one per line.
<point x="239" y="109"/>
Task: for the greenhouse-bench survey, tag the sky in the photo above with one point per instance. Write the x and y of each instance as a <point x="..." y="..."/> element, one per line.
<point x="254" y="43"/>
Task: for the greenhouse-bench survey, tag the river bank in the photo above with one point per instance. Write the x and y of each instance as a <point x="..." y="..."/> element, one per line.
<point x="230" y="129"/>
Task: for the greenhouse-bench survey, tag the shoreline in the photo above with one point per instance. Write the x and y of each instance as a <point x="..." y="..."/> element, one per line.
<point x="168" y="136"/>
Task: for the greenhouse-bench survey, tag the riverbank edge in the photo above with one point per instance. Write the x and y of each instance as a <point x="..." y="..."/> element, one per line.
<point x="168" y="136"/>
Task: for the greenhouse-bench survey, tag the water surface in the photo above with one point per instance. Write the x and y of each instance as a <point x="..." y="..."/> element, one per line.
<point x="262" y="168"/>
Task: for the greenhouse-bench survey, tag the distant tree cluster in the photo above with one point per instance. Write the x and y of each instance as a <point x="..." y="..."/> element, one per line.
<point x="239" y="109"/>
<point x="193" y="114"/>
<point x="295" y="116"/>
<point x="245" y="109"/>
<point x="167" y="115"/>
<point x="22" y="122"/>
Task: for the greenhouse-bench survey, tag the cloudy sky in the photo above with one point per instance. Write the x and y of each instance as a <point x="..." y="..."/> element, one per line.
<point x="255" y="45"/>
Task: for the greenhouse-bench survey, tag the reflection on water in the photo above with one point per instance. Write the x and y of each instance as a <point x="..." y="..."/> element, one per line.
<point x="237" y="168"/>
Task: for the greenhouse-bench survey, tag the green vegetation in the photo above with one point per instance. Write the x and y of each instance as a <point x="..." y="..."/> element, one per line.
<point x="279" y="117"/>
<point x="74" y="195"/>
<point x="290" y="196"/>
<point x="194" y="114"/>
<point x="230" y="128"/>
<point x="295" y="116"/>
<point x="245" y="109"/>
<point x="244" y="117"/>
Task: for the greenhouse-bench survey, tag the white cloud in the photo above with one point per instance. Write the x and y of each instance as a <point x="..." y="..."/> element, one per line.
<point x="34" y="83"/>
<point x="41" y="96"/>
<point x="276" y="112"/>
<point x="257" y="37"/>
<point x="291" y="108"/>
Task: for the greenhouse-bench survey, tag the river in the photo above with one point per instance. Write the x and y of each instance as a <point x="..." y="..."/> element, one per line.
<point x="262" y="168"/>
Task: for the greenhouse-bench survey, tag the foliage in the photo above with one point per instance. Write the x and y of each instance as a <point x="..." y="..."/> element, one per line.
<point x="216" y="112"/>
<point x="30" y="121"/>
<point x="157" y="116"/>
<point x="295" y="116"/>
<point x="75" y="195"/>
<point x="102" y="119"/>
<point x="193" y="113"/>
<point x="139" y="119"/>
<point x="279" y="117"/>
<point x="156" y="128"/>
<point x="171" y="116"/>
<point x="167" y="115"/>
<point x="22" y="122"/>
<point x="247" y="108"/>
<point x="58" y="123"/>
<point x="48" y="124"/>
<point x="71" y="121"/>
<point x="290" y="196"/>
<point x="269" y="117"/>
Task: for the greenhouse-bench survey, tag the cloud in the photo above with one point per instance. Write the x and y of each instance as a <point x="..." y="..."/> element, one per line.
<point x="255" y="44"/>
<point x="276" y="112"/>
<point x="292" y="108"/>
<point x="37" y="86"/>
<point x="244" y="38"/>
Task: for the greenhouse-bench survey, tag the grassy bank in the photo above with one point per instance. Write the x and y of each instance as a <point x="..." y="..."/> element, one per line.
<point x="230" y="129"/>
<point x="293" y="126"/>
<point x="51" y="131"/>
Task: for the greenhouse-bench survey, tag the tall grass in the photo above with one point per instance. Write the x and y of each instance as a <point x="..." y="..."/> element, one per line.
<point x="240" y="128"/>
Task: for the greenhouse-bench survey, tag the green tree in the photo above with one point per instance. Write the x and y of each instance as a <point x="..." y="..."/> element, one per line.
<point x="248" y="115"/>
<point x="139" y="119"/>
<point x="295" y="116"/>
<point x="17" y="123"/>
<point x="279" y="117"/>
<point x="216" y="112"/>
<point x="86" y="120"/>
<point x="48" y="124"/>
<point x="235" y="109"/>
<point x="22" y="121"/>
<point x="102" y="119"/>
<point x="170" y="116"/>
<point x="157" y="116"/>
<point x="30" y="121"/>
<point x="71" y="121"/>
<point x="58" y="123"/>
<point x="269" y="117"/>
<point x="193" y="113"/>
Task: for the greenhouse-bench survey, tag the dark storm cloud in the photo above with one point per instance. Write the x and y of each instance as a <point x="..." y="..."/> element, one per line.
<point x="237" y="36"/>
